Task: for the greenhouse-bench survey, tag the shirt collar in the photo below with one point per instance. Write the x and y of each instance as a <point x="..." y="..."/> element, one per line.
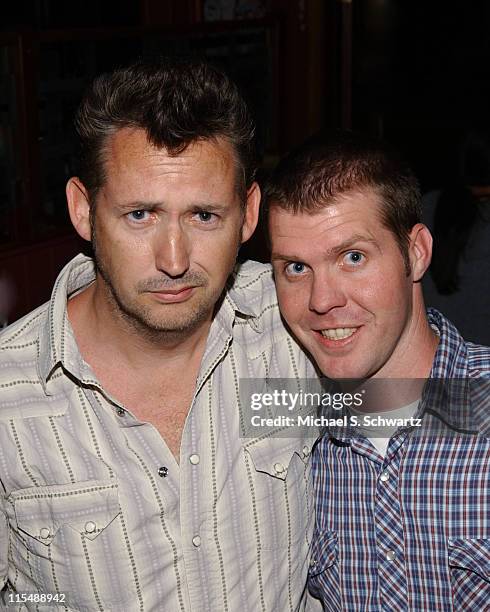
<point x="57" y="342"/>
<point x="244" y="293"/>
<point x="449" y="394"/>
<point x="446" y="396"/>
<point x="57" y="345"/>
<point x="451" y="358"/>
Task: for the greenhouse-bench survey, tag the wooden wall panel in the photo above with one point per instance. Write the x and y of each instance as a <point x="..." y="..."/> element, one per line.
<point x="32" y="270"/>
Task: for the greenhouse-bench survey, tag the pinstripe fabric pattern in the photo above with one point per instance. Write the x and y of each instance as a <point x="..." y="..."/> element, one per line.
<point x="83" y="507"/>
<point x="410" y="532"/>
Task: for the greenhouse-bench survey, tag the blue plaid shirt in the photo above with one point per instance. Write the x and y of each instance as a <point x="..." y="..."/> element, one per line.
<point x="410" y="531"/>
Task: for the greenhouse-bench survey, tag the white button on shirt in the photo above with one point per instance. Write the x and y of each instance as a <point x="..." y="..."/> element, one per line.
<point x="196" y="540"/>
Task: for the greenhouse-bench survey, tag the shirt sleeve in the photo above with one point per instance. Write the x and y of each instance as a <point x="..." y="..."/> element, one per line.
<point x="4" y="539"/>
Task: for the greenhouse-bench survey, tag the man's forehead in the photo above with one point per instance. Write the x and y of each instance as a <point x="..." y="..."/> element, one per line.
<point x="128" y="152"/>
<point x="351" y="220"/>
<point x="365" y="202"/>
<point x="364" y="194"/>
<point x="129" y="143"/>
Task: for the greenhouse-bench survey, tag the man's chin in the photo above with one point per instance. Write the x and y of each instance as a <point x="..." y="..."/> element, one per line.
<point x="156" y="320"/>
<point x="183" y="325"/>
<point x="341" y="369"/>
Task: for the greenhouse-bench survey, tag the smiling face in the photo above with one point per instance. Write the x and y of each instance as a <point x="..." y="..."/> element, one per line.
<point x="166" y="230"/>
<point x="343" y="288"/>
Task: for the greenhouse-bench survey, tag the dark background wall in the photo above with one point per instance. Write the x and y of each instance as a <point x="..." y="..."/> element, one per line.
<point x="421" y="76"/>
<point x="415" y="73"/>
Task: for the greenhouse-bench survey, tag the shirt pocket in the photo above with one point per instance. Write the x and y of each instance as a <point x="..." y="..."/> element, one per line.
<point x="70" y="539"/>
<point x="323" y="573"/>
<point x="282" y="493"/>
<point x="469" y="564"/>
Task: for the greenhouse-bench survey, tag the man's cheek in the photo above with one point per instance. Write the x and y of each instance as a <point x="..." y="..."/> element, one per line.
<point x="292" y="306"/>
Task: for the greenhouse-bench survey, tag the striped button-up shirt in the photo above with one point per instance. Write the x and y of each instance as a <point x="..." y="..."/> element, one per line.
<point x="410" y="531"/>
<point x="93" y="505"/>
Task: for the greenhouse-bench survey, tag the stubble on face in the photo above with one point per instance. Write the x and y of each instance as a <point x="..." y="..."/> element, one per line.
<point x="141" y="318"/>
<point x="134" y="262"/>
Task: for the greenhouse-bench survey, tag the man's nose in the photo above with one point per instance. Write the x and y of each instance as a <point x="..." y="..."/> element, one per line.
<point x="172" y="251"/>
<point x="327" y="292"/>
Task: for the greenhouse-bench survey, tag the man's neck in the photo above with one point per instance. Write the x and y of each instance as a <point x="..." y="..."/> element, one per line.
<point x="414" y="354"/>
<point x="100" y="328"/>
<point x="153" y="376"/>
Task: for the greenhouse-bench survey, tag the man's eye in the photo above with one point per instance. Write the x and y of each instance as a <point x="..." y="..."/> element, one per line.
<point x="353" y="258"/>
<point x="295" y="268"/>
<point x="138" y="215"/>
<point x="205" y="217"/>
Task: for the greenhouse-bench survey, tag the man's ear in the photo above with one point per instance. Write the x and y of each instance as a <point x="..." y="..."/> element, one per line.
<point x="251" y="217"/>
<point x="420" y="250"/>
<point x="79" y="207"/>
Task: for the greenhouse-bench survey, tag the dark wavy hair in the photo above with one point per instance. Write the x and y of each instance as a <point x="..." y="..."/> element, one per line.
<point x="332" y="163"/>
<point x="177" y="102"/>
<point x="458" y="210"/>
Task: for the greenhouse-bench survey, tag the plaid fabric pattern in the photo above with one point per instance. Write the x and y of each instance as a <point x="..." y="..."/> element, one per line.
<point x="410" y="531"/>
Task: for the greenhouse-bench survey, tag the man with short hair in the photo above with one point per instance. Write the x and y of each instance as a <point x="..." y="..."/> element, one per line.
<point x="401" y="513"/>
<point x="125" y="484"/>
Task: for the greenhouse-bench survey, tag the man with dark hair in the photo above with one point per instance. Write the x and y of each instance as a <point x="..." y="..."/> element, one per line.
<point x="402" y="488"/>
<point x="125" y="484"/>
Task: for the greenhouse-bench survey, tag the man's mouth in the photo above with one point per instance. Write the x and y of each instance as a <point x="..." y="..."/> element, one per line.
<point x="172" y="291"/>
<point x="173" y="296"/>
<point x="338" y="333"/>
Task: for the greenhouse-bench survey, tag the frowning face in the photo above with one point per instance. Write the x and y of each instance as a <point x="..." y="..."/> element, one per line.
<point x="343" y="287"/>
<point x="167" y="229"/>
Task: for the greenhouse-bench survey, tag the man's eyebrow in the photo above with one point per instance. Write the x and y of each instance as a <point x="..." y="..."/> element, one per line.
<point x="150" y="206"/>
<point x="352" y="241"/>
<point x="137" y="205"/>
<point x="284" y="257"/>
<point x="209" y="207"/>
<point x="346" y="244"/>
